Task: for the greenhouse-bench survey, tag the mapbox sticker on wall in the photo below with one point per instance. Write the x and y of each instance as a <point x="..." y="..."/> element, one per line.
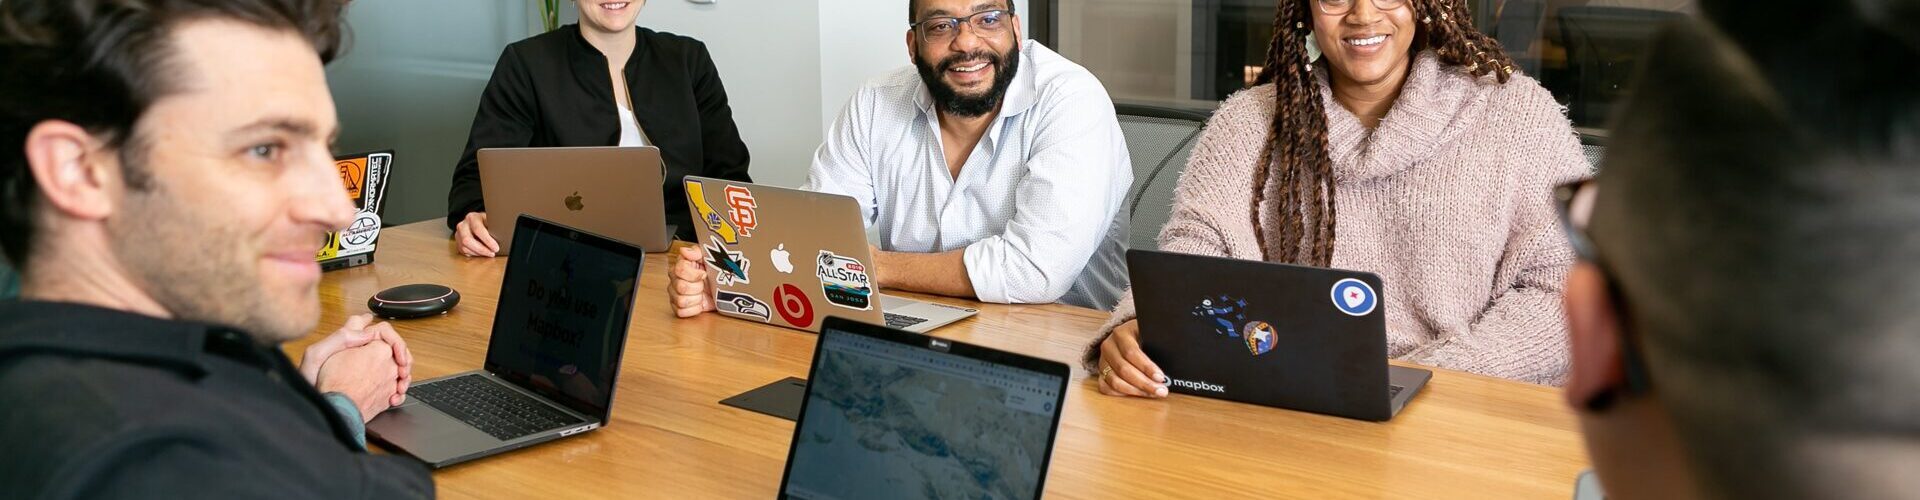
<point x="844" y="282"/>
<point x="365" y="178"/>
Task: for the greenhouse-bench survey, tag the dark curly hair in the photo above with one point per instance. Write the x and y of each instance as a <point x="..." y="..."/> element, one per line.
<point x="1297" y="138"/>
<point x="99" y="64"/>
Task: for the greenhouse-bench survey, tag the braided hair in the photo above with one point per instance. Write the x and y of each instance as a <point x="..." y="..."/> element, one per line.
<point x="1296" y="148"/>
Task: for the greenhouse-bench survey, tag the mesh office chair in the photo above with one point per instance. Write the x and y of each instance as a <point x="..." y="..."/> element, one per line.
<point x="1595" y="147"/>
<point x="1159" y="140"/>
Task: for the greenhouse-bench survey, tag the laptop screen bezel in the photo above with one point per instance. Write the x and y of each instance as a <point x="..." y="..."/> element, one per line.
<point x="1060" y="371"/>
<point x="525" y="229"/>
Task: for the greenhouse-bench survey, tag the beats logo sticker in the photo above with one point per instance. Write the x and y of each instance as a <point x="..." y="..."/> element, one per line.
<point x="793" y="306"/>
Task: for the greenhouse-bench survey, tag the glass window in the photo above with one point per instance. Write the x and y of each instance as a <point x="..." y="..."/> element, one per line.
<point x="1193" y="53"/>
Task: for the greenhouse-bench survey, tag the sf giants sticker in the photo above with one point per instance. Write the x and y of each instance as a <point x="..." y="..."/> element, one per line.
<point x="844" y="281"/>
<point x="729" y="267"/>
<point x="742" y="304"/>
<point x="722" y="230"/>
<point x="740" y="207"/>
<point x="793" y="305"/>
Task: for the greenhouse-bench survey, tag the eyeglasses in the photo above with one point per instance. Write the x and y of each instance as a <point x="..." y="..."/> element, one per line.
<point x="984" y="23"/>
<point x="1575" y="202"/>
<point x="1341" y="7"/>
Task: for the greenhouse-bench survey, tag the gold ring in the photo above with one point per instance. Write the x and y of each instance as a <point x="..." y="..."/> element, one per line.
<point x="1106" y="371"/>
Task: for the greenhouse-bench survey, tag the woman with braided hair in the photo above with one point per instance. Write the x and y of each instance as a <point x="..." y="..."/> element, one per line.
<point x="1411" y="149"/>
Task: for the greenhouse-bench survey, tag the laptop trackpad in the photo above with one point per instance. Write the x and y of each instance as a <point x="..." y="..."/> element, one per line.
<point x="779" y="399"/>
<point x="428" y="434"/>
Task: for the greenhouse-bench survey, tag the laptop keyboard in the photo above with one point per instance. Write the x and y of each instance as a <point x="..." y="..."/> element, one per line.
<point x="902" y="322"/>
<point x="1394" y="391"/>
<point x="494" y="409"/>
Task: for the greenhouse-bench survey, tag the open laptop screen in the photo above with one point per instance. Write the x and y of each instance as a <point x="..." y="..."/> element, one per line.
<point x="564" y="306"/>
<point x="898" y="415"/>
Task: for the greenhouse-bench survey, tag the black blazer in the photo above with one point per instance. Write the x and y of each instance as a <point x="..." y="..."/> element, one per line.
<point x="552" y="90"/>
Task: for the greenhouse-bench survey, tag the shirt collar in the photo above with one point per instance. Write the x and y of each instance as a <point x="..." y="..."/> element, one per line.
<point x="90" y="331"/>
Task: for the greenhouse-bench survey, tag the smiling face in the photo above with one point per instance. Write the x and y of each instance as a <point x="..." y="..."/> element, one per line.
<point x="968" y="71"/>
<point x="239" y="187"/>
<point x="1366" y="45"/>
<point x="610" y="16"/>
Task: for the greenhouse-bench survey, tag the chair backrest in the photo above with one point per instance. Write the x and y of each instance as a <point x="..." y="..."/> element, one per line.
<point x="1595" y="148"/>
<point x="1159" y="139"/>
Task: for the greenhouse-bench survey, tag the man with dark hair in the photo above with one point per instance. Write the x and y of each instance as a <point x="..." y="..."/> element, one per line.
<point x="993" y="169"/>
<point x="166" y="179"/>
<point x="1744" y="316"/>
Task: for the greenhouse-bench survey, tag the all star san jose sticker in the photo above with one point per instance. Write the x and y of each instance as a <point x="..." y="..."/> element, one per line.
<point x="1354" y="297"/>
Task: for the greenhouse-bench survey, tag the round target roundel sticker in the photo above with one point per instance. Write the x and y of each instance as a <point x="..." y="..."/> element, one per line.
<point x="793" y="306"/>
<point x="1354" y="297"/>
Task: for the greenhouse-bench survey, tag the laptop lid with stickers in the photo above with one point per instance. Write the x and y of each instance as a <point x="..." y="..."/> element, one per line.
<point x="1303" y="338"/>
<point x="781" y="256"/>
<point x="365" y="177"/>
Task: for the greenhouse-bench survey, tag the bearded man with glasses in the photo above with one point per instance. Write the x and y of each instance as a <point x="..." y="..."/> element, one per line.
<point x="993" y="168"/>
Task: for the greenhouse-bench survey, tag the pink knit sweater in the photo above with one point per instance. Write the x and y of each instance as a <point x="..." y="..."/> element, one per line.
<point x="1449" y="200"/>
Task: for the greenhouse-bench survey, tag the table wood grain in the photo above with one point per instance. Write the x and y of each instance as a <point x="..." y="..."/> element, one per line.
<point x="1464" y="436"/>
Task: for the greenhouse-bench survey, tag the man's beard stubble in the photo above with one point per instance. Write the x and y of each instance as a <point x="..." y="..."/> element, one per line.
<point x="190" y="263"/>
<point x="1005" y="66"/>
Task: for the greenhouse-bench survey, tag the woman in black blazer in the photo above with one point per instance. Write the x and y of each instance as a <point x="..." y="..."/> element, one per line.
<point x="573" y="85"/>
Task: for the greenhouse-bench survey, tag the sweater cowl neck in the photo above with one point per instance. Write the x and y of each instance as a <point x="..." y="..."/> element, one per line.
<point x="1437" y="104"/>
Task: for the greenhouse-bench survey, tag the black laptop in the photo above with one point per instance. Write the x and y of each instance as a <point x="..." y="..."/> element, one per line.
<point x="558" y="334"/>
<point x="1295" y="337"/>
<point x="896" y="415"/>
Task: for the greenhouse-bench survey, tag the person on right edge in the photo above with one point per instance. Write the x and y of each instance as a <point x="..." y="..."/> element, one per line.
<point x="1743" y="313"/>
<point x="1412" y="150"/>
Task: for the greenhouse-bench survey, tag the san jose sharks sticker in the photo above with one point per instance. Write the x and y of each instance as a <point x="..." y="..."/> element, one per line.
<point x="743" y="305"/>
<point x="722" y="229"/>
<point x="729" y="267"/>
<point x="1354" y="297"/>
<point x="844" y="281"/>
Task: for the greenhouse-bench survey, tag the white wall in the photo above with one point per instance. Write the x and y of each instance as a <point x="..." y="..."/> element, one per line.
<point x="861" y="39"/>
<point x="768" y="52"/>
<point x="789" y="65"/>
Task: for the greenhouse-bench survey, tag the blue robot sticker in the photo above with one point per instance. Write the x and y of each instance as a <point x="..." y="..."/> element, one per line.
<point x="1227" y="315"/>
<point x="1224" y="312"/>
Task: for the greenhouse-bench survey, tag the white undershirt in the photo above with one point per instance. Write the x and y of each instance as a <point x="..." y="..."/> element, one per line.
<point x="630" y="133"/>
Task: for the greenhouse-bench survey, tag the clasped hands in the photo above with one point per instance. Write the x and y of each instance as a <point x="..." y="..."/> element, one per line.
<point x="366" y="361"/>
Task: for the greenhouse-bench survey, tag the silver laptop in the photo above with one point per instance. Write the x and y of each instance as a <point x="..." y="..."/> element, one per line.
<point x="558" y="333"/>
<point x="613" y="191"/>
<point x="793" y="258"/>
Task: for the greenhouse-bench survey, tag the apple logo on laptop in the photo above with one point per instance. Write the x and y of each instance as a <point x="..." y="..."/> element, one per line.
<point x="574" y="203"/>
<point x="782" y="259"/>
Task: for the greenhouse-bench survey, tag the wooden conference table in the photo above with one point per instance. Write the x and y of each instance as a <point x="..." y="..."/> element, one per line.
<point x="1465" y="436"/>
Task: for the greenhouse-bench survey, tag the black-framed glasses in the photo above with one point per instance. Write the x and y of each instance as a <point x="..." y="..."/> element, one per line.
<point x="1575" y="201"/>
<point x="1341" y="7"/>
<point x="944" y="28"/>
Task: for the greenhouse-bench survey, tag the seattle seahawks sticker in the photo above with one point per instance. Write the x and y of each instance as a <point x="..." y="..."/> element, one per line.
<point x="844" y="281"/>
<point x="744" y="305"/>
<point x="1354" y="297"/>
<point x="729" y="267"/>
